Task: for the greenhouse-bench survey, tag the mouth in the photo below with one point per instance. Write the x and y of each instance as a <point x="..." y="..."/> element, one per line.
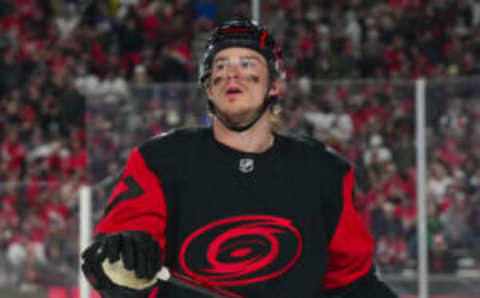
<point x="232" y="91"/>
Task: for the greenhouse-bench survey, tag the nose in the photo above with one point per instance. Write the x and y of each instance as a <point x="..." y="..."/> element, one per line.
<point x="233" y="71"/>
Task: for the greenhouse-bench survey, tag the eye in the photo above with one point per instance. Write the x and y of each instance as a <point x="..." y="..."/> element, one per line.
<point x="248" y="63"/>
<point x="220" y="65"/>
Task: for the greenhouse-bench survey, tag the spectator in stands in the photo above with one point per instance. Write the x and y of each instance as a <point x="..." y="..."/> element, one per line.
<point x="438" y="181"/>
<point x="441" y="258"/>
<point x="10" y="72"/>
<point x="473" y="220"/>
<point x="377" y="153"/>
<point x="131" y="42"/>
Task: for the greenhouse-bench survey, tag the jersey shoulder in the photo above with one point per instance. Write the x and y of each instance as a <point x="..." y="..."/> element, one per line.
<point x="169" y="150"/>
<point x="317" y="151"/>
<point x="174" y="141"/>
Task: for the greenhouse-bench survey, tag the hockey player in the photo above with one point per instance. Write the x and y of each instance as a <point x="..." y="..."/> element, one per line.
<point x="237" y="205"/>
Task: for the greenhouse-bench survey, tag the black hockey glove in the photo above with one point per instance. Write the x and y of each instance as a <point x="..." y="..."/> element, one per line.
<point x="139" y="252"/>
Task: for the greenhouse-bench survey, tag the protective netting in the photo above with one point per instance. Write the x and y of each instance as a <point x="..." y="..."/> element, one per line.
<point x="39" y="238"/>
<point x="117" y="125"/>
<point x="364" y="121"/>
<point x="453" y="182"/>
<point x="372" y="123"/>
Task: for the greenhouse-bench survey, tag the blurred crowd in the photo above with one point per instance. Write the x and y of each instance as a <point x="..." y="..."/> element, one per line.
<point x="372" y="123"/>
<point x="101" y="76"/>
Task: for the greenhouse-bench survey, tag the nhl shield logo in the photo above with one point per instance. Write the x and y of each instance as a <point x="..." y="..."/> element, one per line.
<point x="245" y="165"/>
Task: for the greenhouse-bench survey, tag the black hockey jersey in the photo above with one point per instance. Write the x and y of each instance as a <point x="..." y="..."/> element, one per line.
<point x="275" y="224"/>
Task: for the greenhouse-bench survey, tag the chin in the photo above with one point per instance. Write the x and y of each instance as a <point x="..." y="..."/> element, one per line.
<point x="237" y="115"/>
<point x="234" y="108"/>
<point x="237" y="110"/>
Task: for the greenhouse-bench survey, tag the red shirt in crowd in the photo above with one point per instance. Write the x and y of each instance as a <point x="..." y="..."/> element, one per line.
<point x="13" y="153"/>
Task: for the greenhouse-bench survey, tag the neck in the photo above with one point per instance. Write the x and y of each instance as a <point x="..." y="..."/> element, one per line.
<point x="256" y="139"/>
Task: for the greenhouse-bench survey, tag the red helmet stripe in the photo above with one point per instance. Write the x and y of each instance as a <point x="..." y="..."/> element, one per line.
<point x="234" y="30"/>
<point x="262" y="40"/>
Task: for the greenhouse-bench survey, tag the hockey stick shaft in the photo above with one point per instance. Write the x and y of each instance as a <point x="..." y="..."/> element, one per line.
<point x="183" y="281"/>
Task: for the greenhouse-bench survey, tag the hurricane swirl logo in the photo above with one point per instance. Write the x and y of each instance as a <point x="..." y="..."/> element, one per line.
<point x="241" y="250"/>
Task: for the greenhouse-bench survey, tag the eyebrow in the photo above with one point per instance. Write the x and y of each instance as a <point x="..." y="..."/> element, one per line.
<point x="241" y="57"/>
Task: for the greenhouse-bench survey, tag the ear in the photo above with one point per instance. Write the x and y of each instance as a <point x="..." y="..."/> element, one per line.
<point x="275" y="88"/>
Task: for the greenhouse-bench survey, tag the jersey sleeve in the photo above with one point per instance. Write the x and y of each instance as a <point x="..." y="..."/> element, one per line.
<point x="350" y="249"/>
<point x="137" y="202"/>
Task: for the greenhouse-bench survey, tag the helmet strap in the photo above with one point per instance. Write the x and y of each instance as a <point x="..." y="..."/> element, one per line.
<point x="267" y="102"/>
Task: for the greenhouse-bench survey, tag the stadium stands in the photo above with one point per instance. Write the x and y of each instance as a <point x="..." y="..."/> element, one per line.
<point x="62" y="65"/>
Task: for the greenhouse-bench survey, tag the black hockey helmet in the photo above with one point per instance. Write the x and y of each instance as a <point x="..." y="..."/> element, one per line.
<point x="241" y="33"/>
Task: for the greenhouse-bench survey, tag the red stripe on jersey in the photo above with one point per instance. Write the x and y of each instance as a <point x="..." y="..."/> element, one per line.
<point x="350" y="250"/>
<point x="144" y="211"/>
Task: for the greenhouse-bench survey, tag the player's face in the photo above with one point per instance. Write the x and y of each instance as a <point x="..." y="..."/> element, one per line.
<point x="239" y="83"/>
